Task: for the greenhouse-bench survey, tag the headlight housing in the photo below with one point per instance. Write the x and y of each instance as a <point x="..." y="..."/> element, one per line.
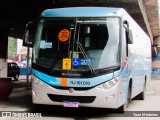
<point x="38" y="82"/>
<point x="109" y="84"/>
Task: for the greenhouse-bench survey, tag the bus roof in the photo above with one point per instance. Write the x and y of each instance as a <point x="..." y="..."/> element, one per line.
<point x="83" y="12"/>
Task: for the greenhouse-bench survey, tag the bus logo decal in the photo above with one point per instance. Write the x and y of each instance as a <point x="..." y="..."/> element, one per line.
<point x="71" y="90"/>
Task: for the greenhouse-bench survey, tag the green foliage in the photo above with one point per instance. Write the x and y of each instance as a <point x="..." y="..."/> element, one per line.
<point x="12" y="47"/>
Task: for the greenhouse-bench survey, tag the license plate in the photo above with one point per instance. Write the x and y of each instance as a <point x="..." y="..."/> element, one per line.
<point x="70" y="104"/>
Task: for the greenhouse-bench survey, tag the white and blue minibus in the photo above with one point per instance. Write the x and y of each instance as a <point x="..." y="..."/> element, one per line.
<point x="89" y="57"/>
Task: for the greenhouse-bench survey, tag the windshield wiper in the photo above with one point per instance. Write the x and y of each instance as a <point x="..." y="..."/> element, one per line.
<point x="86" y="57"/>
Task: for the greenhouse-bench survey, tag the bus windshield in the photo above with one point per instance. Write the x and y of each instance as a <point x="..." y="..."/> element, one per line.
<point x="77" y="44"/>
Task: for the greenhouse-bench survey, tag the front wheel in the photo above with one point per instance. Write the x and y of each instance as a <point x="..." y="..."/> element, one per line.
<point x="141" y="96"/>
<point x="122" y="108"/>
<point x="125" y="105"/>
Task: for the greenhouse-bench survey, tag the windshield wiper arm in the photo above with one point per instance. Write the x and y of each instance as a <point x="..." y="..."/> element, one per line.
<point x="86" y="57"/>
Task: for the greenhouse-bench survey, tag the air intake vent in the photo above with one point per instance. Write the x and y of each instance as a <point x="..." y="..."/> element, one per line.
<point x="80" y="99"/>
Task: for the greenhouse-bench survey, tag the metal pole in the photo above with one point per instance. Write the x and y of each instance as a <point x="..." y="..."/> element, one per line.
<point x="27" y="69"/>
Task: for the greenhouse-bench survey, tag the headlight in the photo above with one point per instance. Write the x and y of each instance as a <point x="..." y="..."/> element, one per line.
<point x="109" y="84"/>
<point x="37" y="81"/>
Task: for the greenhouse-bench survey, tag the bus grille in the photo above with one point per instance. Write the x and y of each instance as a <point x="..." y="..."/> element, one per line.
<point x="80" y="99"/>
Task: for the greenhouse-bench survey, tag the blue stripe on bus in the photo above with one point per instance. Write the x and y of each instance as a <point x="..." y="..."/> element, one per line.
<point x="46" y="78"/>
<point x="81" y="11"/>
<point x="74" y="82"/>
<point x="89" y="82"/>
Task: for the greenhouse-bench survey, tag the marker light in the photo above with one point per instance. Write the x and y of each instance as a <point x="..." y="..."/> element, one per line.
<point x="124" y="63"/>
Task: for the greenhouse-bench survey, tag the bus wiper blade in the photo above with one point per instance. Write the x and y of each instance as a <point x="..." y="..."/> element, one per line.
<point x="86" y="57"/>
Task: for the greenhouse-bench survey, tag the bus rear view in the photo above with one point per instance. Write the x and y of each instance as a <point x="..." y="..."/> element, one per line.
<point x="78" y="58"/>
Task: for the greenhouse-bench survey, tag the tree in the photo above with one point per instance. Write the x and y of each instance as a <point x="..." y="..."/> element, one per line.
<point x="12" y="47"/>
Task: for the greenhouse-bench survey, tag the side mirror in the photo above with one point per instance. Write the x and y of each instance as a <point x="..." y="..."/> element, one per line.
<point x="130" y="37"/>
<point x="29" y="34"/>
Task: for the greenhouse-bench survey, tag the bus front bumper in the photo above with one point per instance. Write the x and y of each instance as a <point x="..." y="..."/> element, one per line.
<point x="95" y="97"/>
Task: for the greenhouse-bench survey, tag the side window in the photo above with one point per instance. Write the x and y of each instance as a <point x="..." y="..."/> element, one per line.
<point x="16" y="66"/>
<point x="11" y="65"/>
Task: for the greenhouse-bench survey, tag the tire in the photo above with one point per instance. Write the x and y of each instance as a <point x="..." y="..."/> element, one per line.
<point x="35" y="106"/>
<point x="122" y="108"/>
<point x="141" y="96"/>
<point x="39" y="108"/>
<point x="16" y="77"/>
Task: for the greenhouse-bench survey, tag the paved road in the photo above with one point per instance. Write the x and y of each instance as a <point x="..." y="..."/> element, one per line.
<point x="20" y="100"/>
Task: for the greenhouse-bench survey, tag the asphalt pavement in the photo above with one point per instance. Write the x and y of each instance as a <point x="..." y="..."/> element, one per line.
<point x="19" y="104"/>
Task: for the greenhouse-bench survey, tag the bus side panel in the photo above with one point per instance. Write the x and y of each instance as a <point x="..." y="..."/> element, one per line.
<point x="139" y="57"/>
